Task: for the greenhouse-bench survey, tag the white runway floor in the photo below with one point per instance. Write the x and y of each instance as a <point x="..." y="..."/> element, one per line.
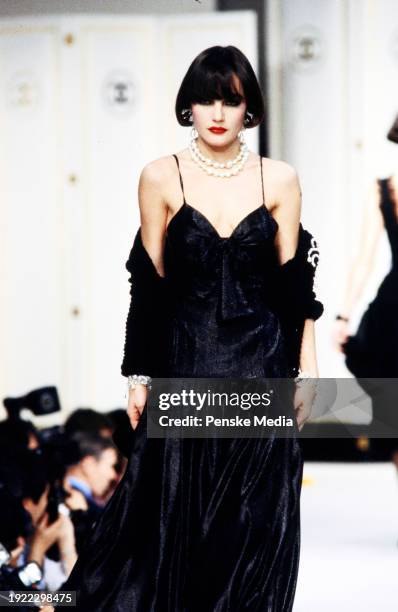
<point x="349" y="552"/>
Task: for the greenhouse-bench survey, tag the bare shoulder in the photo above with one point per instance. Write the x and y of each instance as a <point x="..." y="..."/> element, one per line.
<point x="280" y="172"/>
<point x="282" y="186"/>
<point x="155" y="173"/>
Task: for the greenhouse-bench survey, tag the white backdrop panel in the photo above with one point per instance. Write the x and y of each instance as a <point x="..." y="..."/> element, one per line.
<point x="315" y="140"/>
<point x="31" y="232"/>
<point x="105" y="92"/>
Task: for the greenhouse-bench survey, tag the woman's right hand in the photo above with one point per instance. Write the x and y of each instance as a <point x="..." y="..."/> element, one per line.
<point x="340" y="335"/>
<point x="136" y="403"/>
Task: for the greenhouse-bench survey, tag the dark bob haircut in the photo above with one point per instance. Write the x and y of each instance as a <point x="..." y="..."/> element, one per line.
<point x="210" y="77"/>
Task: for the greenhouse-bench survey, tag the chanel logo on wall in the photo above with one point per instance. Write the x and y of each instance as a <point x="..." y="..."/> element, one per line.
<point x="120" y="92"/>
<point x="305" y="48"/>
<point x="22" y="91"/>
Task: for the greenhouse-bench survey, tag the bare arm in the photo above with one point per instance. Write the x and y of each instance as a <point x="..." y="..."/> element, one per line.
<point x="153" y="212"/>
<point x="363" y="263"/>
<point x="287" y="211"/>
<point x="308" y="360"/>
<point x="305" y="394"/>
<point x="153" y="215"/>
<point x="288" y="217"/>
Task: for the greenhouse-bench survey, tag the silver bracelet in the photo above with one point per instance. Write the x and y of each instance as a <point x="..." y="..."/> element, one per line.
<point x="138" y="379"/>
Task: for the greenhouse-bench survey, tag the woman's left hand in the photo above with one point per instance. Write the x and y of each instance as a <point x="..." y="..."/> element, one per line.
<point x="303" y="401"/>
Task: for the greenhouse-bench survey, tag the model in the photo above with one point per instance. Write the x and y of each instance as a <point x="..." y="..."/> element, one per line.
<point x="372" y="352"/>
<point x="222" y="286"/>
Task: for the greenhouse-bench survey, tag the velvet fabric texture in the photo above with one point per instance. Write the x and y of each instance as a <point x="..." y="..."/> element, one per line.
<point x="206" y="525"/>
<point x="291" y="297"/>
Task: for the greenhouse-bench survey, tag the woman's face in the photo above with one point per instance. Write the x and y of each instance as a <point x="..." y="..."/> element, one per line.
<point x="226" y="116"/>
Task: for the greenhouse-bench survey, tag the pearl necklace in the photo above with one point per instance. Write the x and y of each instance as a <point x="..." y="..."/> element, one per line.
<point x="210" y="166"/>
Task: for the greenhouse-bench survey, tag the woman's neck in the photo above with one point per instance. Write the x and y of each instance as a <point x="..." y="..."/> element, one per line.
<point x="221" y="153"/>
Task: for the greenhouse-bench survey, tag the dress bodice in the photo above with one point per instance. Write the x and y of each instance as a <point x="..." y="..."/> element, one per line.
<point x="220" y="288"/>
<point x="236" y="270"/>
<point x="225" y="306"/>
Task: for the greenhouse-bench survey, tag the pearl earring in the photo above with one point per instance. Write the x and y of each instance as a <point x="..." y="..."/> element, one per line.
<point x="194" y="133"/>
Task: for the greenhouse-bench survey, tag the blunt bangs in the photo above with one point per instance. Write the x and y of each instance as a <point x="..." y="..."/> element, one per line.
<point x="211" y="76"/>
<point x="215" y="86"/>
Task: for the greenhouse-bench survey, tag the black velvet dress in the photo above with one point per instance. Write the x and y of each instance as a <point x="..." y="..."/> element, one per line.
<point x="373" y="351"/>
<point x="203" y="525"/>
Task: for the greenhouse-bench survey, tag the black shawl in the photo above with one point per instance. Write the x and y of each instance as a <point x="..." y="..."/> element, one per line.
<point x="147" y="324"/>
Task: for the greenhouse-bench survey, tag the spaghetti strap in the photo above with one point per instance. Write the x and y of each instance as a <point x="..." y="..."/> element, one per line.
<point x="179" y="173"/>
<point x="262" y="180"/>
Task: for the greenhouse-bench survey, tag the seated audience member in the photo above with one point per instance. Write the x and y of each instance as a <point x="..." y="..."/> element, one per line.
<point x="88" y="420"/>
<point x="104" y="424"/>
<point x="24" y="477"/>
<point x="18" y="434"/>
<point x="15" y="527"/>
<point x="93" y="469"/>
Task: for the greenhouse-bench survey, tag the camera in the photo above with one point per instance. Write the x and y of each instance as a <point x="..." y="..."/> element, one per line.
<point x="40" y="401"/>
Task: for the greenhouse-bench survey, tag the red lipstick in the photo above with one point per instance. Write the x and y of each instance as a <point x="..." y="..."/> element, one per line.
<point x="217" y="130"/>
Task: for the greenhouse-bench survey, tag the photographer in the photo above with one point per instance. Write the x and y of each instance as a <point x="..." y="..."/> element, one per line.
<point x="24" y="476"/>
<point x="18" y="434"/>
<point x="93" y="469"/>
<point x="89" y="421"/>
<point x="15" y="528"/>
